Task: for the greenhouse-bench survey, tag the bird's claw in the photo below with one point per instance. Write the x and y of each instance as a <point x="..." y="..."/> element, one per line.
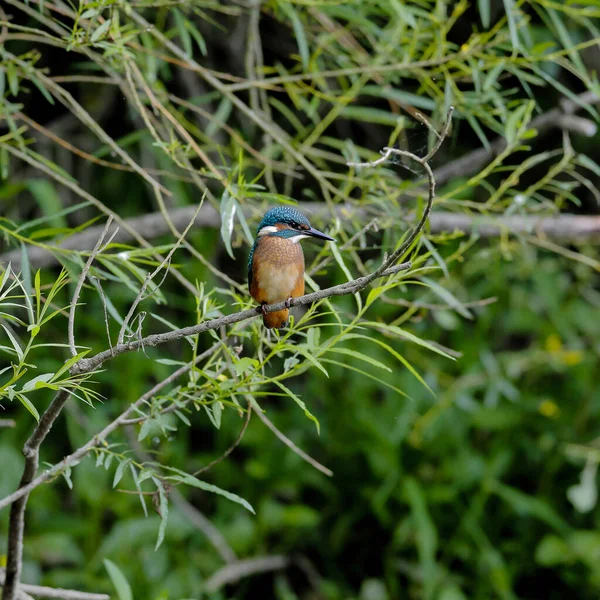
<point x="263" y="309"/>
<point x="288" y="303"/>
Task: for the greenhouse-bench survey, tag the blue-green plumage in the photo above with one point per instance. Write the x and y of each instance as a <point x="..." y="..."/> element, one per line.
<point x="276" y="261"/>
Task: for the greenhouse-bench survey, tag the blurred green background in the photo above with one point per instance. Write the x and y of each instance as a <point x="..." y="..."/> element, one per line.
<point x="482" y="486"/>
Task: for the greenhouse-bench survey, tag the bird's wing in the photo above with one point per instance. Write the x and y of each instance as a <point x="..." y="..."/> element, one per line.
<point x="250" y="265"/>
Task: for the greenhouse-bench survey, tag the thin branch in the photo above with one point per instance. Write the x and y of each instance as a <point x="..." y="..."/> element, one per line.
<point x="41" y="591"/>
<point x="76" y="456"/>
<point x="152" y="275"/>
<point x="282" y="437"/>
<point x="16" y="523"/>
<point x="246" y="568"/>
<point x="231" y="448"/>
<point x="79" y="285"/>
<point x="86" y="365"/>
<point x="7" y="423"/>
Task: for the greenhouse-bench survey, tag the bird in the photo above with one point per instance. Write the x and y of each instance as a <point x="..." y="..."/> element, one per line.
<point x="276" y="261"/>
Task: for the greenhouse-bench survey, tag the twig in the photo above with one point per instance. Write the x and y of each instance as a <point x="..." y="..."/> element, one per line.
<point x="7" y="423"/>
<point x="199" y="521"/>
<point x="282" y="437"/>
<point x="79" y="285"/>
<point x="151" y="276"/>
<point x="99" y="438"/>
<point x="231" y="448"/>
<point x="245" y="568"/>
<point x="58" y="593"/>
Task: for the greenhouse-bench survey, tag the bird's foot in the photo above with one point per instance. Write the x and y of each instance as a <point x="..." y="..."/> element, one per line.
<point x="263" y="309"/>
<point x="288" y="303"/>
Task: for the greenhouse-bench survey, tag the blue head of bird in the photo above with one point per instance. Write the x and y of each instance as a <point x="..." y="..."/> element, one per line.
<point x="289" y="223"/>
<point x="276" y="261"/>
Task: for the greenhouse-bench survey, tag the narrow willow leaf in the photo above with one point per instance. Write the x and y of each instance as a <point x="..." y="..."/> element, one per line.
<point x="119" y="580"/>
<point x="397" y="331"/>
<point x="484" y="12"/>
<point x="228" y="206"/>
<point x="509" y="7"/>
<point x="360" y="356"/>
<point x="100" y="31"/>
<point x="119" y="472"/>
<point x="136" y="480"/>
<point x="28" y="405"/>
<point x="298" y="28"/>
<point x="163" y="511"/>
<point x="14" y="342"/>
<point x="299" y="402"/>
<point x="183" y="477"/>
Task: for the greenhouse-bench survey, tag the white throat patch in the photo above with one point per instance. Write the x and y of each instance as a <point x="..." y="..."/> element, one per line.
<point x="297" y="238"/>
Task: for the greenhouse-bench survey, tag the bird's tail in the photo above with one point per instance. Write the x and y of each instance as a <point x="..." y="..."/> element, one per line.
<point x="277" y="319"/>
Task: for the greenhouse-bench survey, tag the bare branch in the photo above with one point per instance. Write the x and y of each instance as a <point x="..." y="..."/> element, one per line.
<point x="79" y="285"/>
<point x="86" y="365"/>
<point x="41" y="591"/>
<point x="246" y="568"/>
<point x="309" y="459"/>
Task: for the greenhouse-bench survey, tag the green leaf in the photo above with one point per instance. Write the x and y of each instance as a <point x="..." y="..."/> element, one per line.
<point x="397" y="331"/>
<point x="509" y="7"/>
<point x="119" y="472"/>
<point x="360" y="356"/>
<point x="183" y="477"/>
<point x="28" y="405"/>
<point x="228" y="208"/>
<point x="69" y="364"/>
<point x="14" y="342"/>
<point x="298" y="27"/>
<point x="163" y="511"/>
<point x="484" y="12"/>
<point x="100" y="31"/>
<point x="35" y="383"/>
<point x="121" y="584"/>
<point x="299" y="402"/>
<point x="184" y="34"/>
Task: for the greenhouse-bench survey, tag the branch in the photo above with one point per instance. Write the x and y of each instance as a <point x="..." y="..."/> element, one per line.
<point x="99" y="438"/>
<point x="244" y="568"/>
<point x="86" y="365"/>
<point x="282" y="437"/>
<point x="564" y="227"/>
<point x="16" y="523"/>
<point x="61" y="594"/>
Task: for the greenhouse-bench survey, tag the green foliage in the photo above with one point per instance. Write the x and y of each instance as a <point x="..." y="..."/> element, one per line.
<point x="456" y="402"/>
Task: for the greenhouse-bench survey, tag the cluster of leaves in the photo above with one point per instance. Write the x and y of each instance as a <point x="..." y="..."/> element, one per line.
<point x="451" y="477"/>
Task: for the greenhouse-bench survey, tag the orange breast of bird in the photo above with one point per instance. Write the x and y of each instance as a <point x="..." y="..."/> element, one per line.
<point x="277" y="274"/>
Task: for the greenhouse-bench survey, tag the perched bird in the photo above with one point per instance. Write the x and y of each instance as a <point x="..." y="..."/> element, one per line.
<point x="276" y="261"/>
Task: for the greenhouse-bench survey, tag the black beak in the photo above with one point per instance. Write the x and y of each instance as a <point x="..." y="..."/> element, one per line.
<point x="318" y="234"/>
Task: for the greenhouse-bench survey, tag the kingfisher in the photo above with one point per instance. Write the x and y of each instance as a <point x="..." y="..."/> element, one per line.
<point x="276" y="261"/>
